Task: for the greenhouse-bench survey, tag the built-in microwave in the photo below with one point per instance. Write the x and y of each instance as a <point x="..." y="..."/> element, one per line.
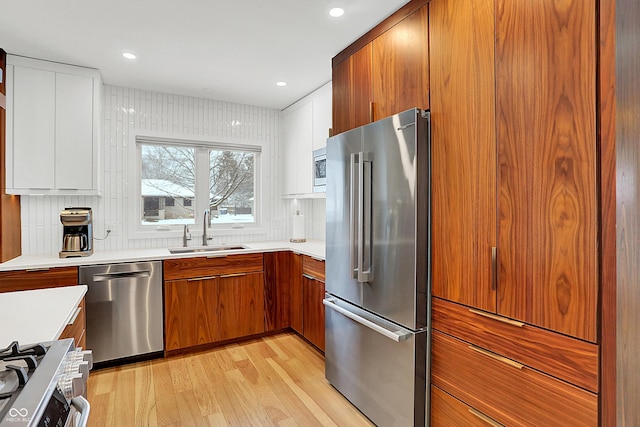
<point x="320" y="170"/>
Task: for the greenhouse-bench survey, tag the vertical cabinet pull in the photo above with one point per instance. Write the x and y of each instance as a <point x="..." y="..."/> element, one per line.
<point x="494" y="268"/>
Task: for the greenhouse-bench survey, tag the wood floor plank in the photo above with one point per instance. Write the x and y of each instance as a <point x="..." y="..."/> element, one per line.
<point x="271" y="381"/>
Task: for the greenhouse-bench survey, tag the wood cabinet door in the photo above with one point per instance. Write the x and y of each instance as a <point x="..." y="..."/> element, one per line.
<point x="240" y="305"/>
<point x="545" y="84"/>
<point x="277" y="289"/>
<point x="400" y="76"/>
<point x="24" y="280"/>
<point x="463" y="150"/>
<point x="297" y="309"/>
<point x="313" y="291"/>
<point x="352" y="91"/>
<point x="190" y="312"/>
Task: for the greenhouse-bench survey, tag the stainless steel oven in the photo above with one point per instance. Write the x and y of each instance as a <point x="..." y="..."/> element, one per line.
<point x="44" y="385"/>
<point x="320" y="170"/>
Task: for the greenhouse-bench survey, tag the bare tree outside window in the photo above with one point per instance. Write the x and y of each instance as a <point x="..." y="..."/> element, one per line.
<point x="169" y="173"/>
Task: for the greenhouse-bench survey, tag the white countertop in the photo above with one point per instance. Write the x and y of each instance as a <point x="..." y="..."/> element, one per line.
<point x="313" y="248"/>
<point x="38" y="315"/>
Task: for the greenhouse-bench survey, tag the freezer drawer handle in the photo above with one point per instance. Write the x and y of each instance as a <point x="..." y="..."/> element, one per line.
<point x="397" y="336"/>
<point x="123" y="275"/>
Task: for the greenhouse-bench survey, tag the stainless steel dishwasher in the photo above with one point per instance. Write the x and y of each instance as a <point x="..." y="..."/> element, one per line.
<point x="123" y="309"/>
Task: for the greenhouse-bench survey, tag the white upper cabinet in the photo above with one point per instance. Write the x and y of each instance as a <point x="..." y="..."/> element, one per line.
<point x="53" y="128"/>
<point x="321" y="116"/>
<point x="304" y="128"/>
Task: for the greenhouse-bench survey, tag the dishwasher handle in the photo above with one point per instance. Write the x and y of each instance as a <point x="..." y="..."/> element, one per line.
<point x="103" y="277"/>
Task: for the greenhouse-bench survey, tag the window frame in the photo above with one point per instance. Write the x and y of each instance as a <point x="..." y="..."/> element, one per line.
<point x="202" y="146"/>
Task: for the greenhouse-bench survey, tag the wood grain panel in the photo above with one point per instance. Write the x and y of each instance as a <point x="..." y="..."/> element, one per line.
<point x="10" y="224"/>
<point x="21" y="280"/>
<point x="400" y="67"/>
<point x="448" y="411"/>
<point x="240" y="305"/>
<point x="297" y="302"/>
<point x="313" y="267"/>
<point x="463" y="150"/>
<point x="351" y="87"/>
<point x="567" y="358"/>
<point x="379" y="29"/>
<point x="608" y="203"/>
<point x="627" y="204"/>
<point x="190" y="310"/>
<point x="185" y="268"/>
<point x="313" y="291"/>
<point x="517" y="397"/>
<point x="545" y="87"/>
<point x="76" y="330"/>
<point x="277" y="286"/>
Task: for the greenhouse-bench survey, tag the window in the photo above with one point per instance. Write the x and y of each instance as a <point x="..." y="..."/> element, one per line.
<point x="180" y="179"/>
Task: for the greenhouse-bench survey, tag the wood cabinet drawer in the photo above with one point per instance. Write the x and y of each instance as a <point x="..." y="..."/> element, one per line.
<point x="567" y="358"/>
<point x="185" y="268"/>
<point x="76" y="329"/>
<point x="313" y="267"/>
<point x="448" y="411"/>
<point x="22" y="280"/>
<point x="512" y="394"/>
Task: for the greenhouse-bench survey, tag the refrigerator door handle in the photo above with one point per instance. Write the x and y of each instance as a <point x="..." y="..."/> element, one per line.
<point x="353" y="218"/>
<point x="364" y="218"/>
<point x="397" y="336"/>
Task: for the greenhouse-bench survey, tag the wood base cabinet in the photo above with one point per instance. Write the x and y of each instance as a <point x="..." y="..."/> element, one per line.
<point x="506" y="390"/>
<point x="77" y="327"/>
<point x="213" y="299"/>
<point x="23" y="280"/>
<point x="448" y="411"/>
<point x="313" y="276"/>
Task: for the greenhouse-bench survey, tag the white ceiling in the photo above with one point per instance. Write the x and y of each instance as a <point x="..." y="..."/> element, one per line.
<point x="236" y="49"/>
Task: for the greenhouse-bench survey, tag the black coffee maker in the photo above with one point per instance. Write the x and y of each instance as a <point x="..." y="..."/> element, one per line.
<point x="77" y="232"/>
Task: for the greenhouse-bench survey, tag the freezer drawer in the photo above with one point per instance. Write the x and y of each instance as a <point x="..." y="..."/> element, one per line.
<point x="378" y="366"/>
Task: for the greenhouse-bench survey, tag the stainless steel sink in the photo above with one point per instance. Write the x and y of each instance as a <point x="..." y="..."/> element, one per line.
<point x="206" y="249"/>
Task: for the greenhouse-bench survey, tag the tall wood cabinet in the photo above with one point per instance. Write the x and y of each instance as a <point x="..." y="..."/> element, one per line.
<point x="515" y="250"/>
<point x="387" y="75"/>
<point x="515" y="165"/>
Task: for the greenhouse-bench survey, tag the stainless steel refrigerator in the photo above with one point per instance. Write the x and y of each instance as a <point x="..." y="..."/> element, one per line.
<point x="377" y="312"/>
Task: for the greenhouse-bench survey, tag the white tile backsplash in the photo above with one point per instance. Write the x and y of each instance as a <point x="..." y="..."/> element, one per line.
<point x="126" y="110"/>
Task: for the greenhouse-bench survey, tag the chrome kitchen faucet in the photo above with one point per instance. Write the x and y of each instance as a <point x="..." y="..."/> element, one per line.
<point x="206" y="221"/>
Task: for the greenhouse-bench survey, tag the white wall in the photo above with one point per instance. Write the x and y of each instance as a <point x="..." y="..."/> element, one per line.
<point x="127" y="109"/>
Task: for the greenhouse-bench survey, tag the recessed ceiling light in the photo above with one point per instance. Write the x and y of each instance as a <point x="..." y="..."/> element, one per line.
<point x="336" y="12"/>
<point x="129" y="55"/>
<point x="281" y="83"/>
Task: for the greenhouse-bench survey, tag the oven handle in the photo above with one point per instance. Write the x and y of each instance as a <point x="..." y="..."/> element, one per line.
<point x="83" y="406"/>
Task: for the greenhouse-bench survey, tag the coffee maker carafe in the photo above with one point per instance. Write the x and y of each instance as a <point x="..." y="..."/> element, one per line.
<point x="77" y="232"/>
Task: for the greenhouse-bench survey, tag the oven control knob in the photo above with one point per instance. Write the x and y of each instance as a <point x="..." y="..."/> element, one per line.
<point x="82" y="368"/>
<point x="84" y="355"/>
<point x="72" y="386"/>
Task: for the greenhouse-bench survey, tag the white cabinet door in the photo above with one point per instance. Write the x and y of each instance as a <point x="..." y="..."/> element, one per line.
<point x="297" y="152"/>
<point x="53" y="134"/>
<point x="74" y="132"/>
<point x="33" y="128"/>
<point x="322" y="108"/>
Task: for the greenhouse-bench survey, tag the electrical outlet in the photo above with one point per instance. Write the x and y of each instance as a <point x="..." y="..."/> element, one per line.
<point x="110" y="226"/>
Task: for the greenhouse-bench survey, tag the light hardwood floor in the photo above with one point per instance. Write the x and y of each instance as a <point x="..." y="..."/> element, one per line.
<point x="272" y="381"/>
